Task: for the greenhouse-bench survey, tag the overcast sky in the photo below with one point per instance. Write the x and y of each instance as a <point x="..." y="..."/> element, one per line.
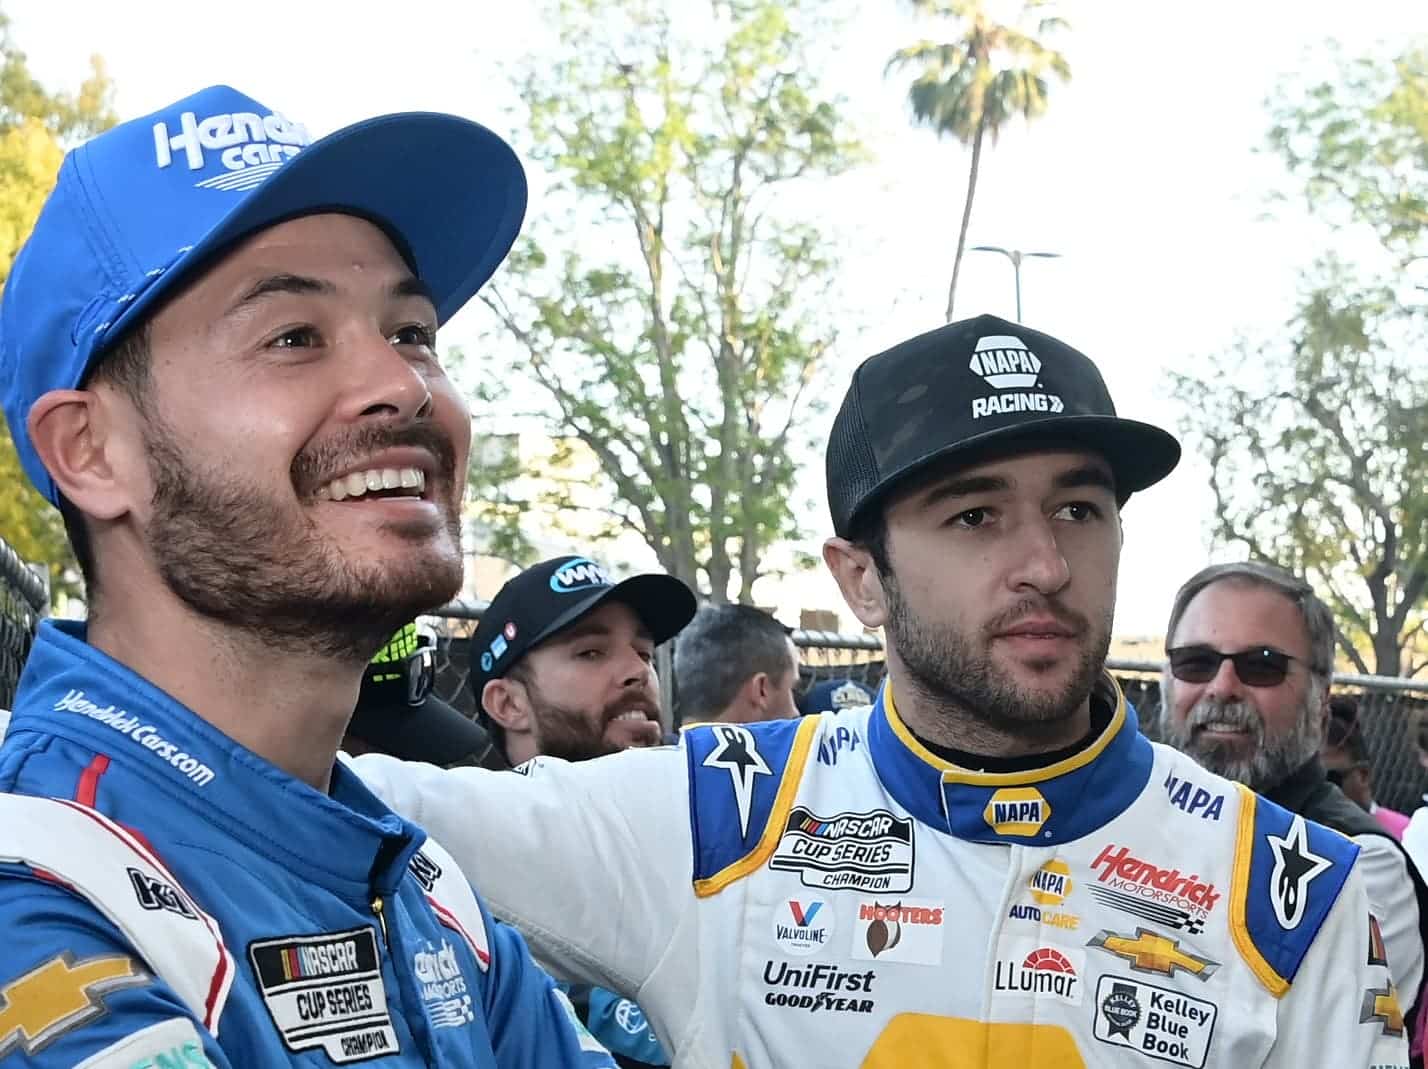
<point x="1145" y="176"/>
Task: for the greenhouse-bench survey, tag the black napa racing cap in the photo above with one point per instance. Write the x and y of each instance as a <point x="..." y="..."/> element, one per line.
<point x="550" y="596"/>
<point x="980" y="388"/>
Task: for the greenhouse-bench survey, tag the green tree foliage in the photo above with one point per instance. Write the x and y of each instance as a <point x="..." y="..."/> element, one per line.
<point x="36" y="126"/>
<point x="672" y="307"/>
<point x="972" y="86"/>
<point x="1318" y="439"/>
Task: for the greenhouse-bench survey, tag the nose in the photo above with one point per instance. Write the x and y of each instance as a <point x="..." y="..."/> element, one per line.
<point x="1225" y="685"/>
<point x="635" y="670"/>
<point x="383" y="382"/>
<point x="1040" y="565"/>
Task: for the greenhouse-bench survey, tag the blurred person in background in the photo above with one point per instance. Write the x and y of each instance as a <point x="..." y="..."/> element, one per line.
<point x="1245" y="691"/>
<point x="835" y="695"/>
<point x="734" y="664"/>
<point x="562" y="665"/>
<point x="1347" y="764"/>
<point x="218" y="360"/>
<point x="399" y="714"/>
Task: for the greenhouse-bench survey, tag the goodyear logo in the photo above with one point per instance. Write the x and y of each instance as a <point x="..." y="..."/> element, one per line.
<point x="1017" y="811"/>
<point x="1051" y="883"/>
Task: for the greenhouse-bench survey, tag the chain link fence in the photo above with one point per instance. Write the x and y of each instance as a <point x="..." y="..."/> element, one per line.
<point x="23" y="599"/>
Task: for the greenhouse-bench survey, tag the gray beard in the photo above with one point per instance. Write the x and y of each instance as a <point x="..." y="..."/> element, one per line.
<point x="1270" y="761"/>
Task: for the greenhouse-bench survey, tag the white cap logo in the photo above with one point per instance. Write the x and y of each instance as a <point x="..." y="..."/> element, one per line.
<point x="1005" y="361"/>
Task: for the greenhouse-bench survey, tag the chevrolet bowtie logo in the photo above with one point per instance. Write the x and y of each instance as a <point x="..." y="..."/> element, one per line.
<point x="1381" y="1004"/>
<point x="50" y="1000"/>
<point x="1152" y="952"/>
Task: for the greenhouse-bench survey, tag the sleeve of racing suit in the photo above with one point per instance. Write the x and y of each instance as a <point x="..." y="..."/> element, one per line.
<point x="1393" y="901"/>
<point x="533" y="1025"/>
<point x="591" y="861"/>
<point x="1342" y="1009"/>
<point x="74" y="994"/>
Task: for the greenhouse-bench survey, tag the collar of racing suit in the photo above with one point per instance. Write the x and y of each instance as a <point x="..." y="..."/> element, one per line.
<point x="1046" y="806"/>
<point x="347" y="840"/>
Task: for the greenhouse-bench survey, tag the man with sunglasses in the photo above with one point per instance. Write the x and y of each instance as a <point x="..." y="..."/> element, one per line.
<point x="1245" y="692"/>
<point x="987" y="868"/>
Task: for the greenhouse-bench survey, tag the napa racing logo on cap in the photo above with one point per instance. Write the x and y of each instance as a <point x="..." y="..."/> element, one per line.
<point x="579" y="574"/>
<point x="1017" y="811"/>
<point x="1005" y="363"/>
<point x="250" y="146"/>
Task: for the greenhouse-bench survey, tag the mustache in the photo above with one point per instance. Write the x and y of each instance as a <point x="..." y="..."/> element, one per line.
<point x="1042" y="606"/>
<point x="1234" y="714"/>
<point x="319" y="463"/>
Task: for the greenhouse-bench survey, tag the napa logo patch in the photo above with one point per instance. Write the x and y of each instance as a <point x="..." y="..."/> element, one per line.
<point x="579" y="574"/>
<point x="1017" y="811"/>
<point x="1004" y="363"/>
<point x="1050" y="884"/>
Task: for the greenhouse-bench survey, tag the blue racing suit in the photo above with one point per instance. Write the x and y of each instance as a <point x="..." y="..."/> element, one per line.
<point x="183" y="902"/>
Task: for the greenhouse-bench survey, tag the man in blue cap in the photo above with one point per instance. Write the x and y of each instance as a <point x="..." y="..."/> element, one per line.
<point x="218" y="359"/>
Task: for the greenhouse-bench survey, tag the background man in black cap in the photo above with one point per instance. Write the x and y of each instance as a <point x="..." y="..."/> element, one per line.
<point x="562" y="664"/>
<point x="398" y="714"/>
<point x="990" y="865"/>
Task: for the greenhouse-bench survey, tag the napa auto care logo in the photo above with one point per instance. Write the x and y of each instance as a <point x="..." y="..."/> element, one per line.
<point x="1017" y="811"/>
<point x="1008" y="366"/>
<point x="578" y="574"/>
<point x="1048" y="887"/>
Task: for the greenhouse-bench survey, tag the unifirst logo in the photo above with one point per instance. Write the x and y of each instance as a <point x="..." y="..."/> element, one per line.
<point x="252" y="146"/>
<point x="1017" y="811"/>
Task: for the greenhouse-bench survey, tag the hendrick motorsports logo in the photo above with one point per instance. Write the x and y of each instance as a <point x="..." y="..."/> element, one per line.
<point x="146" y="735"/>
<point x="1005" y="363"/>
<point x="1118" y="868"/>
<point x="865" y="851"/>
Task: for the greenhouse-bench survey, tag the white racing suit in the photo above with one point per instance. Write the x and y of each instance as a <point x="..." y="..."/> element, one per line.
<point x="828" y="893"/>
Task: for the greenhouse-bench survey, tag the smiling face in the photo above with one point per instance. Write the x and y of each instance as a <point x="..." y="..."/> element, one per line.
<point x="1003" y="585"/>
<point x="306" y="453"/>
<point x="1256" y="735"/>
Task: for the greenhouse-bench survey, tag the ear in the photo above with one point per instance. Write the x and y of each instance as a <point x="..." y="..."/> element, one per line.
<point x="505" y="702"/>
<point x="858" y="579"/>
<point x="759" y="690"/>
<point x="74" y="432"/>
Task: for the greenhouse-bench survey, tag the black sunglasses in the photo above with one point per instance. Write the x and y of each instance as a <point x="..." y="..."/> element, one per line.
<point x="1257" y="667"/>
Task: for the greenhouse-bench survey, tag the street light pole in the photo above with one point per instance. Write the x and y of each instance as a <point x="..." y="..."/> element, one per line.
<point x="1015" y="256"/>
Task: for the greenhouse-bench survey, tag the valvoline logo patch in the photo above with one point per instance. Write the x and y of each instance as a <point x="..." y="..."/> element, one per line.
<point x="578" y="574"/>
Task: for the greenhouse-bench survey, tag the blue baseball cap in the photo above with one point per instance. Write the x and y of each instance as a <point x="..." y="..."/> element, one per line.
<point x="141" y="209"/>
<point x="833" y="695"/>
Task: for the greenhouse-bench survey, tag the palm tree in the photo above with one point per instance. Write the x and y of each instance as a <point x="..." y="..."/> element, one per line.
<point x="972" y="86"/>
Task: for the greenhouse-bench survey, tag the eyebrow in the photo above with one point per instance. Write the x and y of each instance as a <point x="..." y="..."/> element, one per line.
<point x="303" y="285"/>
<point x="595" y="629"/>
<point x="1080" y="476"/>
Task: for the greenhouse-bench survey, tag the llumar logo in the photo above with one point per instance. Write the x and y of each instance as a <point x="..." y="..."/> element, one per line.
<point x="252" y="146"/>
<point x="1118" y="868"/>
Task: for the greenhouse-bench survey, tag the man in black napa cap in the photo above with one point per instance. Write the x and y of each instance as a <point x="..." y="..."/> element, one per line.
<point x="987" y="821"/>
<point x="562" y="663"/>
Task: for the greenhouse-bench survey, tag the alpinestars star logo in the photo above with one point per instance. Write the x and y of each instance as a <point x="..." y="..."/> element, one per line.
<point x="740" y="757"/>
<point x="1295" y="868"/>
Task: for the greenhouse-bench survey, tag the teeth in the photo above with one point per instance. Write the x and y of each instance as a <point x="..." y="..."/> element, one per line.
<point x="359" y="483"/>
<point x="633" y="714"/>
